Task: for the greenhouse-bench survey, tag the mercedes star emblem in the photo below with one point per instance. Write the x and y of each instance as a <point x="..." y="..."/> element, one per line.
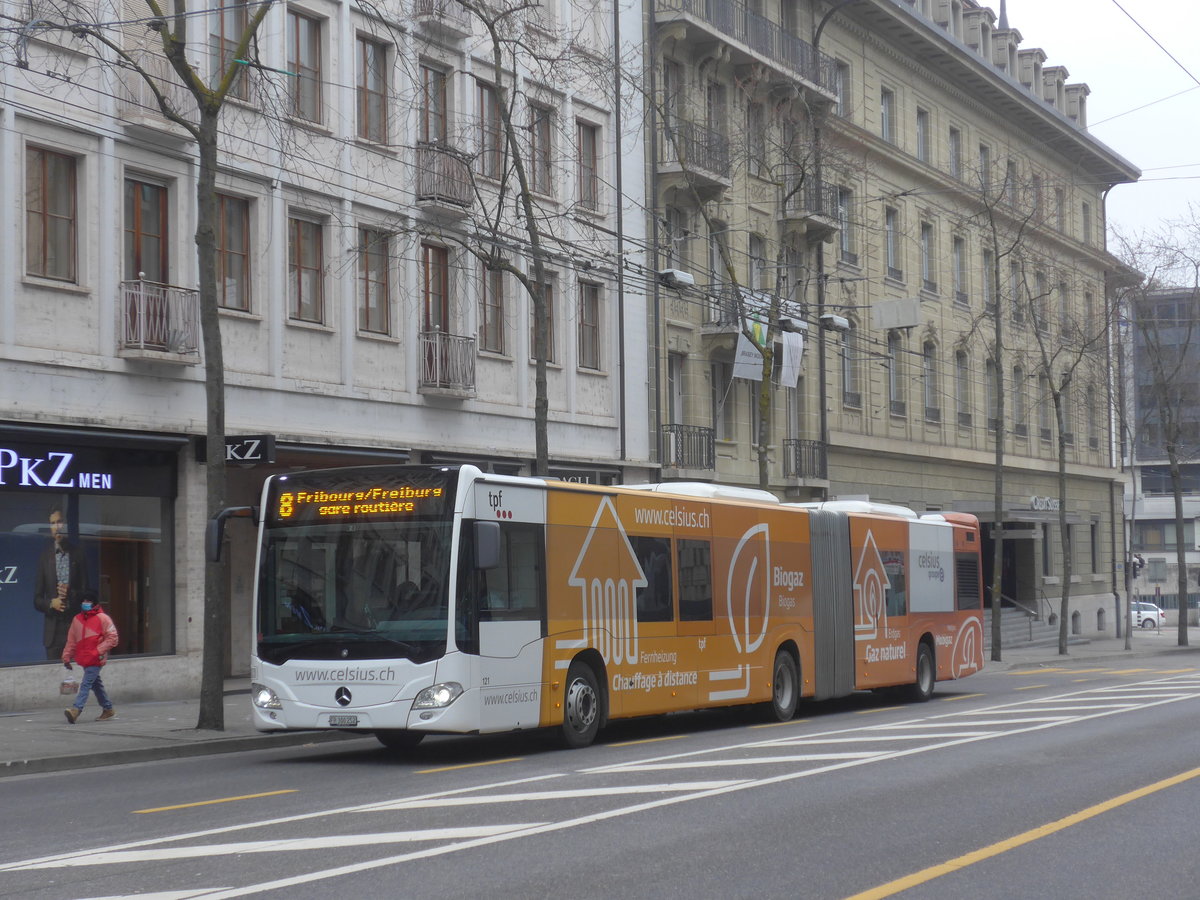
<point x="342" y="696"/>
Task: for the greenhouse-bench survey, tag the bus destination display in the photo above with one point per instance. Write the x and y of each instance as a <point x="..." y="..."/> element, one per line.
<point x="301" y="501"/>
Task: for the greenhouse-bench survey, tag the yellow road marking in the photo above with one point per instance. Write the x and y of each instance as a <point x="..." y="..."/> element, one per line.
<point x="976" y="856"/>
<point x="1130" y="671"/>
<point x="669" y="737"/>
<point x="211" y="802"/>
<point x="777" y="724"/>
<point x="1030" y="687"/>
<point x="867" y="712"/>
<point x="960" y="697"/>
<point x="1038" y="671"/>
<point x="487" y="762"/>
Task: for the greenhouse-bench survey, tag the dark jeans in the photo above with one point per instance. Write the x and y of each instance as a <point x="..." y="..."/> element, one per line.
<point x="91" y="682"/>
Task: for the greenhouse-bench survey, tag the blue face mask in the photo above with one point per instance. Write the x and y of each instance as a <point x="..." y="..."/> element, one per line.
<point x="86" y="605"/>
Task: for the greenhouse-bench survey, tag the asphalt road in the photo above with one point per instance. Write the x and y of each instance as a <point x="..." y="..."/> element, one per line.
<point x="1076" y="782"/>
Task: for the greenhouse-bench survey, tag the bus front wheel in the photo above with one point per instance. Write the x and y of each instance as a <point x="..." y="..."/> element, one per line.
<point x="581" y="706"/>
<point x="922" y="689"/>
<point x="785" y="687"/>
<point x="399" y="738"/>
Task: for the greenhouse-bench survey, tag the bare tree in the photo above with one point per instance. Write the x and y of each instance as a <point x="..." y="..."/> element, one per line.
<point x="158" y="49"/>
<point x="1163" y="309"/>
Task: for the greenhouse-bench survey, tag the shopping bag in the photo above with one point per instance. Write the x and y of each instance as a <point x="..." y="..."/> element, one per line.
<point x="69" y="683"/>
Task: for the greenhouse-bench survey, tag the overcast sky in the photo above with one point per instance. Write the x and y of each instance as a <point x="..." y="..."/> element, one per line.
<point x="1131" y="79"/>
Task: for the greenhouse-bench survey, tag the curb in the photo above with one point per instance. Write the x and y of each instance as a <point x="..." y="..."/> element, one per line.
<point x="204" y="747"/>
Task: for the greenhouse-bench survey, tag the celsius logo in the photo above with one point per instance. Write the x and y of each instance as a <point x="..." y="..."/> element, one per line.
<point x="495" y="501"/>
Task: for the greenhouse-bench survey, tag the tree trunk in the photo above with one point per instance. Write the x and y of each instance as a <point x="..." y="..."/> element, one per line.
<point x="216" y="581"/>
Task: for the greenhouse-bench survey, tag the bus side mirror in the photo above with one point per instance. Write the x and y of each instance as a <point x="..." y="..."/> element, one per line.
<point x="214" y="531"/>
<point x="487" y="545"/>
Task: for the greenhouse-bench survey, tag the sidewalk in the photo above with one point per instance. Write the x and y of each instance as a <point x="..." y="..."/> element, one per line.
<point x="42" y="740"/>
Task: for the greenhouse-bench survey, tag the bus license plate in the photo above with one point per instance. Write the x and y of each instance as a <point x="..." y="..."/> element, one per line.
<point x="343" y="721"/>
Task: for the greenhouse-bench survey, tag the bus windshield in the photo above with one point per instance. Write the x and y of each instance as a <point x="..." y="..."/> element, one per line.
<point x="354" y="590"/>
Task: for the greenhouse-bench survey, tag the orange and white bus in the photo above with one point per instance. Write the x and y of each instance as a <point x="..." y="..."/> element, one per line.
<point x="405" y="600"/>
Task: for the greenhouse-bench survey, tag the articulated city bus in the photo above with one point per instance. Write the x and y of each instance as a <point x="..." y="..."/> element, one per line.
<point x="405" y="600"/>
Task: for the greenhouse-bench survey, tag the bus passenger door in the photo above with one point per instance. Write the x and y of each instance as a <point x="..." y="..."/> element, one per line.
<point x="509" y="603"/>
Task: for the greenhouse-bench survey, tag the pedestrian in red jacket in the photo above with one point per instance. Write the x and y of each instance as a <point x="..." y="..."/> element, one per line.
<point x="91" y="636"/>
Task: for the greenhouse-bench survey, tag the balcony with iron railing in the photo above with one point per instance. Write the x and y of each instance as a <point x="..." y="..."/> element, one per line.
<point x="447" y="364"/>
<point x="805" y="459"/>
<point x="688" y="448"/>
<point x="755" y="38"/>
<point x="812" y="209"/>
<point x="443" y="179"/>
<point x="139" y="107"/>
<point x="160" y="322"/>
<point x="697" y="153"/>
<point x="447" y="16"/>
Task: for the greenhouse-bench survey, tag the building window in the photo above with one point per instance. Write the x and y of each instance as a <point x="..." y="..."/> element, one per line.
<point x="991" y="392"/>
<point x="887" y="115"/>
<point x="589" y="165"/>
<point x="756" y="139"/>
<point x="1044" y="411"/>
<point x="928" y="258"/>
<point x="1014" y="291"/>
<point x="954" y="141"/>
<point x="372" y="91"/>
<point x="672" y="94"/>
<point x="233" y="252"/>
<point x="851" y="388"/>
<point x="1086" y="212"/>
<point x="432" y="123"/>
<point x="540" y="159"/>
<point x="228" y="25"/>
<point x="1010" y="183"/>
<point x="895" y="377"/>
<point x="306" y="270"/>
<point x="985" y="167"/>
<point x="304" y="66"/>
<point x="548" y="301"/>
<point x="841" y="88"/>
<point x="958" y="260"/>
<point x="962" y="387"/>
<point x="1060" y="209"/>
<point x="1041" y="294"/>
<point x="491" y="132"/>
<point x="929" y="373"/>
<point x="374" y="260"/>
<point x="721" y="376"/>
<point x="435" y="288"/>
<point x="589" y="326"/>
<point x="756" y="277"/>
<point x="50" y="216"/>
<point x="891" y="234"/>
<point x="923" y="150"/>
<point x="1020" y="402"/>
<point x="491" y="310"/>
<point x="1035" y="187"/>
<point x="989" y="280"/>
<point x="846" y="226"/>
<point x="674" y="238"/>
<point x="147" y="253"/>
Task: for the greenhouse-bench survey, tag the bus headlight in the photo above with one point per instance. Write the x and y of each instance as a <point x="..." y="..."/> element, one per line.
<point x="264" y="697"/>
<point x="438" y="696"/>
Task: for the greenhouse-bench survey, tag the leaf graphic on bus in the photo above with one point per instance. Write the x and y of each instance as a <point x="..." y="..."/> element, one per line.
<point x="967" y="656"/>
<point x="747" y="587"/>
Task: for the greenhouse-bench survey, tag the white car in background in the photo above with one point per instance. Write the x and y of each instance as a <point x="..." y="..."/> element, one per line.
<point x="1147" y="615"/>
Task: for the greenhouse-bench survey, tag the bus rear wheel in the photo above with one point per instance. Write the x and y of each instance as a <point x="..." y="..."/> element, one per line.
<point x="399" y="738"/>
<point x="922" y="689"/>
<point x="581" y="706"/>
<point x="785" y="687"/>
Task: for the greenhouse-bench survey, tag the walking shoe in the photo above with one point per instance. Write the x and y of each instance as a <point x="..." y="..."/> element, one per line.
<point x="107" y="714"/>
<point x="72" y="714"/>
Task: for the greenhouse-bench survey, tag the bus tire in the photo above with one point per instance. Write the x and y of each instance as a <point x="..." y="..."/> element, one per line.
<point x="582" y="705"/>
<point x="399" y="738"/>
<point x="785" y="687"/>
<point x="922" y="688"/>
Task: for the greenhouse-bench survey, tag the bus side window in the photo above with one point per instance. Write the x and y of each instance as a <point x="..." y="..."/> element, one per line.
<point x="513" y="590"/>
<point x="654" y="600"/>
<point x="897" y="596"/>
<point x="695" y="580"/>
